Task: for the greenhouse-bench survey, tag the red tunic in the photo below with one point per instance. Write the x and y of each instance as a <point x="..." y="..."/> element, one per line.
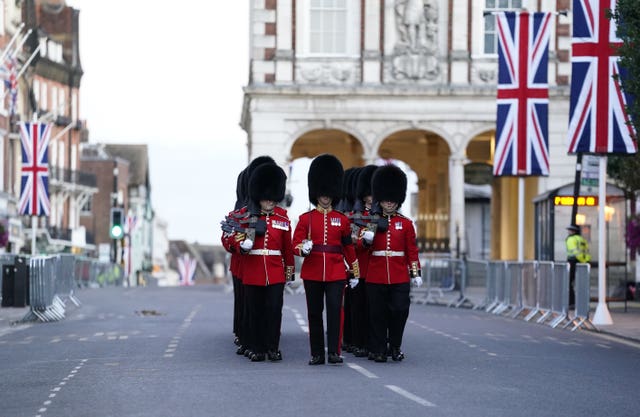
<point x="233" y="247"/>
<point x="394" y="253"/>
<point x="270" y="261"/>
<point x="330" y="232"/>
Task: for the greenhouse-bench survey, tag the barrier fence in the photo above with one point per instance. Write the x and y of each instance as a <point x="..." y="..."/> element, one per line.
<point x="53" y="280"/>
<point x="530" y="290"/>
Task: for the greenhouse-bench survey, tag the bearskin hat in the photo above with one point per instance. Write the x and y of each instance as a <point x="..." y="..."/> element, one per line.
<point x="389" y="183"/>
<point x="363" y="188"/>
<point x="249" y="170"/>
<point x="325" y="178"/>
<point x="240" y="190"/>
<point x="267" y="182"/>
<point x="348" y="198"/>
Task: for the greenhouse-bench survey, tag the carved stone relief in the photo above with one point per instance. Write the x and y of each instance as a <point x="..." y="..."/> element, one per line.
<point x="417" y="29"/>
<point x="325" y="74"/>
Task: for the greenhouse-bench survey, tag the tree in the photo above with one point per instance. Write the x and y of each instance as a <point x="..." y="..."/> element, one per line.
<point x="625" y="169"/>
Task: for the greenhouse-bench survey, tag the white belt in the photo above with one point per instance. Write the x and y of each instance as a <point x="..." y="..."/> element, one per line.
<point x="264" y="252"/>
<point x="387" y="253"/>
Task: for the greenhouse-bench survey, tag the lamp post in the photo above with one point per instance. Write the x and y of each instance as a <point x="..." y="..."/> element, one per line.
<point x="114" y="203"/>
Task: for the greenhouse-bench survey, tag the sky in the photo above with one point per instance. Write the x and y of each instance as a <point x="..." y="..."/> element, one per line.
<point x="170" y="75"/>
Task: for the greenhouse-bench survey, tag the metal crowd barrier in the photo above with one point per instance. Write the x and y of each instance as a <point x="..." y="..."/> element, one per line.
<point x="53" y="280"/>
<point x="529" y="290"/>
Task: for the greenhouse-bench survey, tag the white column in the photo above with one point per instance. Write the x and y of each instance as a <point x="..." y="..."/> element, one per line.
<point x="284" y="42"/>
<point x="459" y="37"/>
<point x="456" y="186"/>
<point x="371" y="55"/>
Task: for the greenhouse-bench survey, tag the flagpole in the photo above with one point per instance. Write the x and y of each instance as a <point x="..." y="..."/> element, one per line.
<point x="602" y="316"/>
<point x="520" y="219"/>
<point x="22" y="70"/>
<point x="34" y="228"/>
<point x="8" y="47"/>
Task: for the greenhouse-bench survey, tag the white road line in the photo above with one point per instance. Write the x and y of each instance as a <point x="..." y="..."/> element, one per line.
<point x="410" y="396"/>
<point x="363" y="371"/>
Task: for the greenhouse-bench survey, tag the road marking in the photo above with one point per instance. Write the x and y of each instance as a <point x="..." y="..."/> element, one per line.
<point x="410" y="396"/>
<point x="610" y="338"/>
<point x="57" y="389"/>
<point x="361" y="370"/>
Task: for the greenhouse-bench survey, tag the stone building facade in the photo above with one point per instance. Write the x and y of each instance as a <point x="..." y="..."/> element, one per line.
<point x="408" y="80"/>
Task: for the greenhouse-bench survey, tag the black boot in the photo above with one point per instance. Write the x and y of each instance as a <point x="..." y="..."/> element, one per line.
<point x="317" y="360"/>
<point x="396" y="354"/>
<point x="257" y="357"/>
<point x="334" y="358"/>
<point x="274" y="356"/>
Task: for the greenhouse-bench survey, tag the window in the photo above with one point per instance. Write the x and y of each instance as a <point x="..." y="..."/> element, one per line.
<point x="87" y="207"/>
<point x="490" y="34"/>
<point x="44" y="105"/>
<point x="328" y="24"/>
<point x="54" y="100"/>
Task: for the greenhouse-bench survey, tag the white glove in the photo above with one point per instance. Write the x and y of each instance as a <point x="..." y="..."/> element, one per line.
<point x="417" y="281"/>
<point x="246" y="245"/>
<point x="306" y="247"/>
<point x="367" y="235"/>
<point x="353" y="282"/>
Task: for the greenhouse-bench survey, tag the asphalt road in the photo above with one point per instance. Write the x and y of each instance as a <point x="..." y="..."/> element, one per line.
<point x="169" y="352"/>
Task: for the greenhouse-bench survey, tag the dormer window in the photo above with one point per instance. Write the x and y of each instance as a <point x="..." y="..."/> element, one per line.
<point x="51" y="49"/>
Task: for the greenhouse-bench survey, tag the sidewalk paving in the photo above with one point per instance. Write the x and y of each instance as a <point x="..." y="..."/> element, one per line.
<point x="625" y="325"/>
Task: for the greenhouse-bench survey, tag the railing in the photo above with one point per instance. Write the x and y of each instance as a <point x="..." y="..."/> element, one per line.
<point x="53" y="280"/>
<point x="529" y="290"/>
<point x="72" y="176"/>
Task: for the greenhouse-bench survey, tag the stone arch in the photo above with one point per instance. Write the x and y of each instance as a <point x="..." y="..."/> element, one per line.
<point x="314" y="128"/>
<point x="427" y="153"/>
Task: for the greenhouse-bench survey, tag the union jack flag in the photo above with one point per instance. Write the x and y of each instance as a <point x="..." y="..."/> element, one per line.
<point x="598" y="121"/>
<point x="187" y="269"/>
<point x="9" y="71"/>
<point x="522" y="138"/>
<point x="34" y="190"/>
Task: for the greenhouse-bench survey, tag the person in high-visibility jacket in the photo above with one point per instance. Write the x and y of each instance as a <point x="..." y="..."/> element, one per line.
<point x="577" y="252"/>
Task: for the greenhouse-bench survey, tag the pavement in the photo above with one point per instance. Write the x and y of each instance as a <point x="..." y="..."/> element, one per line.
<point x="626" y="321"/>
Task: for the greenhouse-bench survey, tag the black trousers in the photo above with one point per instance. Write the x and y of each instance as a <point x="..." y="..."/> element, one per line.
<point x="347" y="338"/>
<point x="388" y="313"/>
<point x="237" y="304"/>
<point x="264" y="309"/>
<point x="318" y="293"/>
<point x="359" y="316"/>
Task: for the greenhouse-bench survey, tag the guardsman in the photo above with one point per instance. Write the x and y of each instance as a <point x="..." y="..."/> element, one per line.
<point x="360" y="219"/>
<point x="239" y="218"/>
<point x="267" y="261"/>
<point x="346" y="206"/>
<point x="323" y="237"/>
<point x="393" y="264"/>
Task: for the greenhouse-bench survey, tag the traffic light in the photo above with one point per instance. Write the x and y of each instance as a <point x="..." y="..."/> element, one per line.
<point x="116" y="228"/>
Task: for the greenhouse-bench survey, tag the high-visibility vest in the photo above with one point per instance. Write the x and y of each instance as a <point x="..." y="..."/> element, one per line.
<point x="578" y="248"/>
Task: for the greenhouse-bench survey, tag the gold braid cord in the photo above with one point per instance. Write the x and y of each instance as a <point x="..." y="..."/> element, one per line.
<point x="355" y="269"/>
<point x="288" y="273"/>
<point x="415" y="271"/>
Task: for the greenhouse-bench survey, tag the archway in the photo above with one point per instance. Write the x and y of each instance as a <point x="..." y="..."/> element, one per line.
<point x="346" y="147"/>
<point x="428" y="156"/>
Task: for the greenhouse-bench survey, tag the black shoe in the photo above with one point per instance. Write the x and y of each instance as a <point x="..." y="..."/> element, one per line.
<point x="236" y="341"/>
<point x="371" y="356"/>
<point x="257" y="357"/>
<point x="317" y="360"/>
<point x="334" y="358"/>
<point x="274" y="356"/>
<point x="380" y="357"/>
<point x="247" y="353"/>
<point x="348" y="347"/>
<point x="241" y="350"/>
<point x="397" y="355"/>
<point x="360" y="353"/>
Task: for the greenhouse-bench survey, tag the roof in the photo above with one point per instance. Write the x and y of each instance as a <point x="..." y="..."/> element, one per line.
<point x="138" y="157"/>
